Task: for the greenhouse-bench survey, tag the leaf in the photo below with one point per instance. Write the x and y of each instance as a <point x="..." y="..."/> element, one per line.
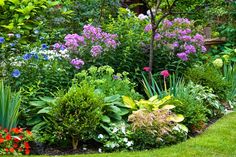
<point x="123" y="111"/>
<point x="35" y="120"/>
<point x="168" y="107"/>
<point x="183" y="127"/>
<point x="45" y="110"/>
<point x="129" y="102"/>
<point x="37" y="103"/>
<point x="116" y="117"/>
<point x="153" y="98"/>
<point x="112" y="98"/>
<point x="106" y="119"/>
<point x="2" y="2"/>
<point x="47" y="99"/>
<point x="176" y="118"/>
<point x="114" y="109"/>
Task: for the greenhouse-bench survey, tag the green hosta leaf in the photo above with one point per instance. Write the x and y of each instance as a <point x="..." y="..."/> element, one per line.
<point x="123" y="111"/>
<point x="168" y="107"/>
<point x="112" y="98"/>
<point x="183" y="127"/>
<point x="116" y="117"/>
<point x="106" y="119"/>
<point x="114" y="109"/>
<point x="47" y="99"/>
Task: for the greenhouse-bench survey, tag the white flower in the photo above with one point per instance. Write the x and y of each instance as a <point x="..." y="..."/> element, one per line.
<point x="99" y="150"/>
<point x="125" y="139"/>
<point x="123" y="129"/>
<point x="115" y="130"/>
<point x="129" y="143"/>
<point x="84" y="148"/>
<point x="142" y="16"/>
<point x="100" y="136"/>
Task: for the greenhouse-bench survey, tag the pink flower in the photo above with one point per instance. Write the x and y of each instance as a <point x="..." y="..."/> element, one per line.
<point x="165" y="73"/>
<point x="147" y="69"/>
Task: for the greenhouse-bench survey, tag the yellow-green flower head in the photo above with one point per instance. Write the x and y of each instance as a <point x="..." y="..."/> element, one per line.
<point x="218" y="63"/>
<point x="226" y="57"/>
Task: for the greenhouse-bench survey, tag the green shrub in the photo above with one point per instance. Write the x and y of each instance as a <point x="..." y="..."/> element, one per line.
<point x="77" y="114"/>
<point x="193" y="109"/>
<point x="207" y="75"/>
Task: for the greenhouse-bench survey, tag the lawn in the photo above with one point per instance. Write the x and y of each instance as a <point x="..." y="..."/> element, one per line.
<point x="218" y="141"/>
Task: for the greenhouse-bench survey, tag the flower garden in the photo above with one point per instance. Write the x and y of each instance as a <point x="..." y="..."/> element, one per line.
<point x="100" y="76"/>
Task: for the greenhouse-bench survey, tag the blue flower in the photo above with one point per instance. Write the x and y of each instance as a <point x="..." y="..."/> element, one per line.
<point x="62" y="47"/>
<point x="18" y="36"/>
<point x="36" y="31"/>
<point x="45" y="57"/>
<point x="115" y="77"/>
<point x="27" y="56"/>
<point x="16" y="73"/>
<point x="2" y="40"/>
<point x="12" y="44"/>
<point x="44" y="46"/>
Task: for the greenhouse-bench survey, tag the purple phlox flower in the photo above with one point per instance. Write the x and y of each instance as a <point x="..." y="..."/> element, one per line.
<point x="44" y="46"/>
<point x="18" y="36"/>
<point x="91" y="32"/>
<point x="16" y="73"/>
<point x="198" y="38"/>
<point x="203" y="49"/>
<point x="96" y="50"/>
<point x="167" y="23"/>
<point x="148" y="28"/>
<point x="56" y="46"/>
<point x="73" y="41"/>
<point x="27" y="56"/>
<point x="189" y="49"/>
<point x="157" y="37"/>
<point x="188" y="31"/>
<point x="182" y="21"/>
<point x="2" y="40"/>
<point x="170" y="35"/>
<point x="182" y="32"/>
<point x="109" y="39"/>
<point x="175" y="44"/>
<point x="183" y="56"/>
<point x="78" y="63"/>
<point x="185" y="38"/>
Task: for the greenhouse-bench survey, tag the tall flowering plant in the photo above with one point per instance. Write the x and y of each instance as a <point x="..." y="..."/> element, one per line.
<point x="92" y="42"/>
<point x="15" y="141"/>
<point x="178" y="37"/>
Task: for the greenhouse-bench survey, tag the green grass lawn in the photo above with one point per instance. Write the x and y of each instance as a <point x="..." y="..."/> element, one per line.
<point x="219" y="140"/>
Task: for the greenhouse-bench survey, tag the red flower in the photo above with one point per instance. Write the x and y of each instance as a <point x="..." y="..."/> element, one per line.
<point x="12" y="150"/>
<point x="27" y="151"/>
<point x="20" y="149"/>
<point x="16" y="130"/>
<point x="147" y="69"/>
<point x="16" y="140"/>
<point x="15" y="145"/>
<point x="29" y="132"/>
<point x="26" y="144"/>
<point x="1" y="140"/>
<point x="8" y="137"/>
<point x="165" y="73"/>
<point x="6" y="149"/>
<point x="5" y="130"/>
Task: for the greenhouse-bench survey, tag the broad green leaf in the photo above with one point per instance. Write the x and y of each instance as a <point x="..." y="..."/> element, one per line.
<point x="45" y="110"/>
<point x="112" y="98"/>
<point x="114" y="109"/>
<point x="129" y="102"/>
<point x="2" y="2"/>
<point x="106" y="119"/>
<point x="37" y="103"/>
<point x="176" y="118"/>
<point x="168" y="107"/>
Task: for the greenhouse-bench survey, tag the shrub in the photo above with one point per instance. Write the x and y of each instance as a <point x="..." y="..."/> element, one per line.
<point x="107" y="82"/>
<point x="15" y="141"/>
<point x="192" y="108"/>
<point x="77" y="114"/>
<point x="207" y="75"/>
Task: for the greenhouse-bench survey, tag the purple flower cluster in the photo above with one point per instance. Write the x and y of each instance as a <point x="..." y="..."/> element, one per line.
<point x="96" y="50"/>
<point x="77" y="63"/>
<point x="73" y="41"/>
<point x="178" y="36"/>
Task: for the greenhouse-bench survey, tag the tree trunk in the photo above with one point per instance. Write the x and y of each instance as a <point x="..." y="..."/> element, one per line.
<point x="75" y="142"/>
